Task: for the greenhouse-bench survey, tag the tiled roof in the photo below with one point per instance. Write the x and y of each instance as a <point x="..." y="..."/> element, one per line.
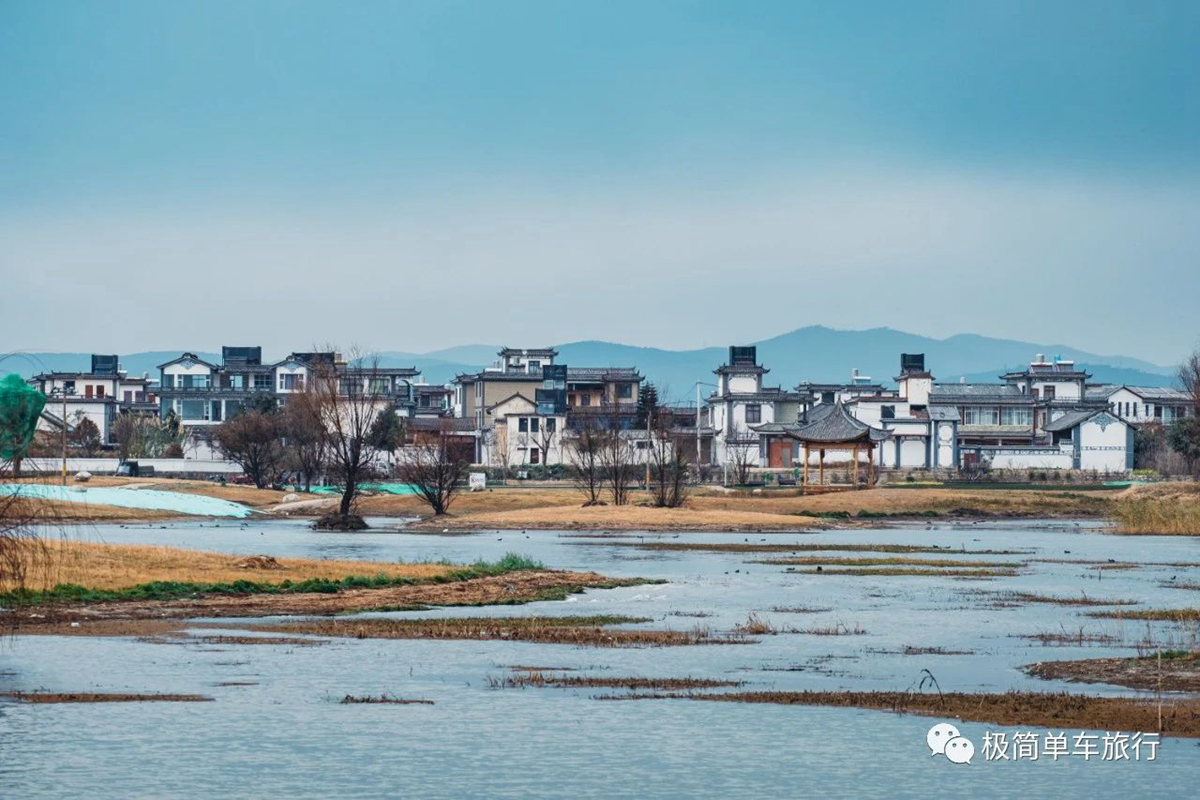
<point x="602" y="373"/>
<point x="944" y="413"/>
<point x="969" y="391"/>
<point x="838" y="426"/>
<point x="454" y="424"/>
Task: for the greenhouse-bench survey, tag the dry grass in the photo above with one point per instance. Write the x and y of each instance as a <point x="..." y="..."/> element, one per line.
<point x="540" y="679"/>
<point x="1061" y="600"/>
<point x="1175" y="672"/>
<point x="1181" y="615"/>
<point x="905" y="572"/>
<point x="1165" y="508"/>
<point x="383" y="699"/>
<point x="791" y="547"/>
<point x="102" y="697"/>
<point x="891" y="562"/>
<point x="110" y="567"/>
<point x="628" y="517"/>
<point x="1180" y="717"/>
<point x="580" y="631"/>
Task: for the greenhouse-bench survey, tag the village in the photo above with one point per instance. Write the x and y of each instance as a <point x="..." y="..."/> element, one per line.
<point x="523" y="416"/>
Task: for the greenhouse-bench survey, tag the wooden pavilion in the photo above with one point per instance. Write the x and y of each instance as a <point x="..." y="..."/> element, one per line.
<point x="839" y="431"/>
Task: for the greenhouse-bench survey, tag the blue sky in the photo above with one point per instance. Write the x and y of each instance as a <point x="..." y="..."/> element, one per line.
<point x="416" y="175"/>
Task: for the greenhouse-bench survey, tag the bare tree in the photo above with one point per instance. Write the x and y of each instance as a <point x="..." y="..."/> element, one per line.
<point x="304" y="434"/>
<point x="84" y="438"/>
<point x="618" y="459"/>
<point x="1189" y="379"/>
<point x="352" y="396"/>
<point x="668" y="464"/>
<point x="739" y="452"/>
<point x="253" y="440"/>
<point x="547" y="434"/>
<point x="434" y="467"/>
<point x="585" y="451"/>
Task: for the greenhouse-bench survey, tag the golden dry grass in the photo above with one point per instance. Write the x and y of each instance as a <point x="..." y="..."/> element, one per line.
<point x="1162" y="508"/>
<point x="111" y="567"/>
<point x="630" y="517"/>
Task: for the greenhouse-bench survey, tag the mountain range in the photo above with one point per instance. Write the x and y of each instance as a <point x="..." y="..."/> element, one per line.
<point x="814" y="353"/>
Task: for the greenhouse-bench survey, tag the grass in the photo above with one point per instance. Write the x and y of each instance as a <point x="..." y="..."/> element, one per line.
<point x="1169" y="670"/>
<point x="114" y="573"/>
<point x="383" y="699"/>
<point x="796" y="547"/>
<point x="1152" y="614"/>
<point x="1061" y="600"/>
<point x="102" y="697"/>
<point x="540" y="679"/>
<point x="900" y="572"/>
<point x="1165" y="508"/>
<point x="1179" y="717"/>
<point x="592" y="631"/>
<point x="891" y="562"/>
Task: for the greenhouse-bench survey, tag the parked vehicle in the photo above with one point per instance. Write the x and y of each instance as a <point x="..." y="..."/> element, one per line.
<point x="131" y="469"/>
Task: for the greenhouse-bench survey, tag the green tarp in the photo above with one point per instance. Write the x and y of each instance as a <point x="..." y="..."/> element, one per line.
<point x="20" y="407"/>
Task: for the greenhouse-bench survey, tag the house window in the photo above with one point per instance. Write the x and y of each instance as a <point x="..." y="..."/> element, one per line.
<point x="262" y="381"/>
<point x="981" y="415"/>
<point x="624" y="391"/>
<point x="887" y="412"/>
<point x="193" y="410"/>
<point x="753" y="413"/>
<point x="100" y="390"/>
<point x="534" y="456"/>
<point x="292" y="382"/>
<point x="127" y="397"/>
<point x="551" y="425"/>
<point x="237" y="381"/>
<point x="378" y="386"/>
<point x="87" y="391"/>
<point x="585" y="399"/>
<point x="533" y="367"/>
<point x="1016" y="416"/>
<point x="533" y="424"/>
<point x="826" y="397"/>
<point x="1048" y="392"/>
<point x="523" y="425"/>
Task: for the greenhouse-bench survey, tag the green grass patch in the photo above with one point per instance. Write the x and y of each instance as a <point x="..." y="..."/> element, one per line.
<point x="69" y="593"/>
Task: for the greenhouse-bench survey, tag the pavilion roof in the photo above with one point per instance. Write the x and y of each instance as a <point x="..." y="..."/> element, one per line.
<point x="837" y="425"/>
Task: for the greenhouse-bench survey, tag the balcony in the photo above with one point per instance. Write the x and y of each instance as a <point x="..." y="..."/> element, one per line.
<point x="212" y="390"/>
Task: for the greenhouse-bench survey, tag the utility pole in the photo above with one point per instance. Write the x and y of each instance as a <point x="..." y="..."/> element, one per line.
<point x="698" y="425"/>
<point x="64" y="436"/>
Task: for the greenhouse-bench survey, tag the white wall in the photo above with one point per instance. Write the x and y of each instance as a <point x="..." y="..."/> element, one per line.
<point x="1103" y="444"/>
<point x="99" y="466"/>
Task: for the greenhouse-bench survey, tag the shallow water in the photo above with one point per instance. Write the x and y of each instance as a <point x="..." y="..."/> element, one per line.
<point x="288" y="734"/>
<point x="131" y="497"/>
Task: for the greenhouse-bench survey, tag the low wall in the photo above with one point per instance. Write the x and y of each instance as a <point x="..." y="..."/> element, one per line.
<point x="173" y="467"/>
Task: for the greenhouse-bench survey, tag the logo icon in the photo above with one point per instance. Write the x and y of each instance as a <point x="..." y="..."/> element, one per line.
<point x="945" y="740"/>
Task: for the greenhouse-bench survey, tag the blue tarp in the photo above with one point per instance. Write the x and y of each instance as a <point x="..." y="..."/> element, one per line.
<point x="196" y="504"/>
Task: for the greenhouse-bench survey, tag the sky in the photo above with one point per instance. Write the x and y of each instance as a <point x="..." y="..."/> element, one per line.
<point x="416" y="175"/>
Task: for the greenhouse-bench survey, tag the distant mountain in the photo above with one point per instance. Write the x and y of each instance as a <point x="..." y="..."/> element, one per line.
<point x="814" y="353"/>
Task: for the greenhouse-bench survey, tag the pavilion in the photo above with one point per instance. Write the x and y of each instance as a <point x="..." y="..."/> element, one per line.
<point x="838" y="430"/>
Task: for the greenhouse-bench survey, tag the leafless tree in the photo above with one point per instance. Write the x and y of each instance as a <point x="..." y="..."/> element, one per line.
<point x="547" y="434"/>
<point x="351" y="398"/>
<point x="585" y="451"/>
<point x="617" y="456"/>
<point x="668" y="464"/>
<point x="253" y="440"/>
<point x="434" y="467"/>
<point x="84" y="437"/>
<point x="1189" y="379"/>
<point x="739" y="451"/>
<point x="304" y="434"/>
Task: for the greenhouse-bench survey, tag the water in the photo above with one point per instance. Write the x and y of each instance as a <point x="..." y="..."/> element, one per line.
<point x="287" y="734"/>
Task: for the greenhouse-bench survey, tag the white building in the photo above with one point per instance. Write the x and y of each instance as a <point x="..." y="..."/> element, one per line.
<point x="741" y="405"/>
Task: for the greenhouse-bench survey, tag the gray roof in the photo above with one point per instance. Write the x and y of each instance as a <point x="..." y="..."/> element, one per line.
<point x="1073" y="418"/>
<point x="980" y="391"/>
<point x="944" y="413"/>
<point x="1159" y="393"/>
<point x="603" y="374"/>
<point x="837" y="425"/>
